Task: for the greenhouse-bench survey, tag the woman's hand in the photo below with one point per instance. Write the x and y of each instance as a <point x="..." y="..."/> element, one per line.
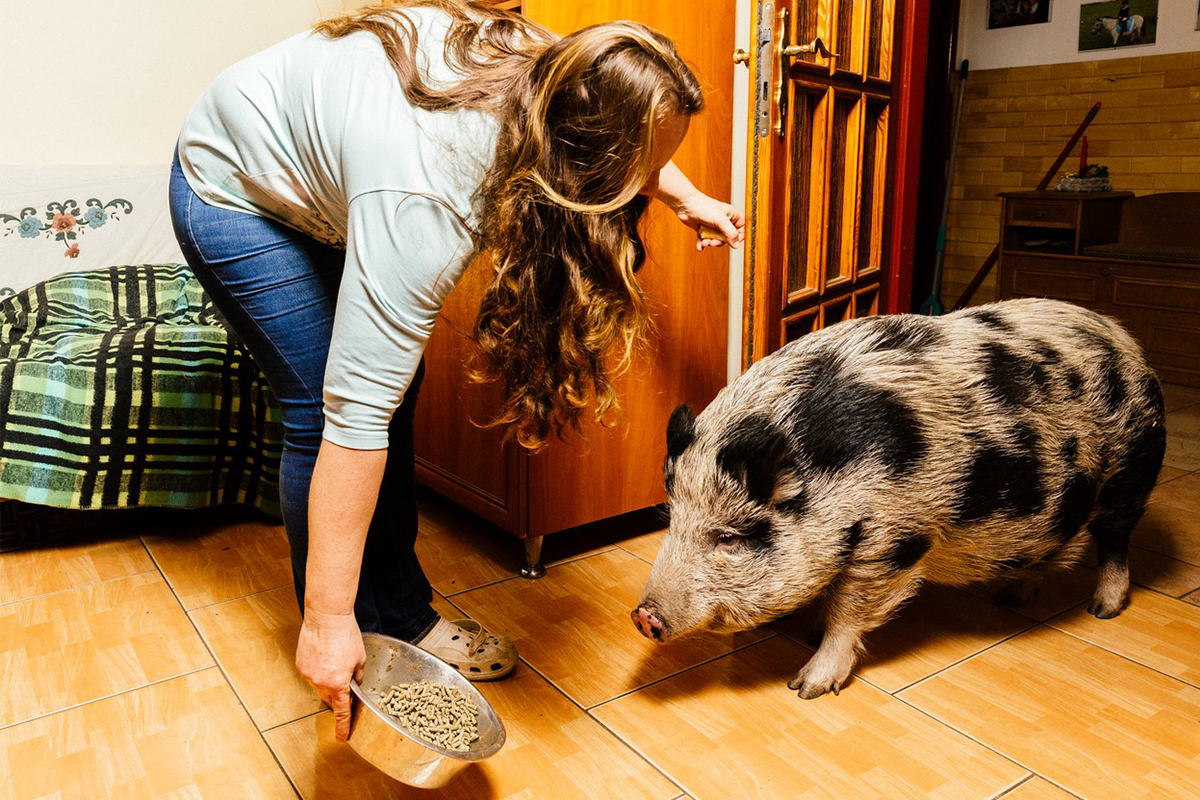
<point x="710" y="217"/>
<point x="330" y="652"/>
<point x="714" y="222"/>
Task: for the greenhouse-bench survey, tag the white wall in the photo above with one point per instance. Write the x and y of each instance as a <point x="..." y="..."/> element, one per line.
<point x="1057" y="41"/>
<point x="110" y="82"/>
<point x="741" y="114"/>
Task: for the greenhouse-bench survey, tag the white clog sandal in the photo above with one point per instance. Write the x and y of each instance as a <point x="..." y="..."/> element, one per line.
<point x="468" y="647"/>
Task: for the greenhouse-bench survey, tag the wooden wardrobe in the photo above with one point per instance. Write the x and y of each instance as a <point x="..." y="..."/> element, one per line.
<point x="617" y="470"/>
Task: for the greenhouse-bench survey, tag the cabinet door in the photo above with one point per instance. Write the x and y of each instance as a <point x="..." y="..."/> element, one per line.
<point x="620" y="470"/>
<point x="616" y="470"/>
<point x="457" y="455"/>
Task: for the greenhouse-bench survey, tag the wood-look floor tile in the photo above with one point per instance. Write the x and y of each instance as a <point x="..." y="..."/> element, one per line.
<point x="182" y="738"/>
<point x="573" y="626"/>
<point x="254" y="640"/>
<point x="939" y="627"/>
<point x="1038" y="789"/>
<point x="1182" y="493"/>
<point x="553" y="751"/>
<point x="219" y="556"/>
<point x="646" y="546"/>
<point x="1183" y="452"/>
<point x="1193" y="598"/>
<point x="459" y="551"/>
<point x="1176" y="396"/>
<point x="1160" y="632"/>
<point x="1185" y="422"/>
<point x="1059" y="591"/>
<point x="731" y="728"/>
<point x="1170" y="473"/>
<point x="1087" y="719"/>
<point x="71" y="647"/>
<point x="1170" y="531"/>
<point x="28" y="573"/>
<point x="1162" y="573"/>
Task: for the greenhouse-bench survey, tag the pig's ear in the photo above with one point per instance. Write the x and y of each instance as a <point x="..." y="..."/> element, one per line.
<point x="681" y="432"/>
<point x="753" y="453"/>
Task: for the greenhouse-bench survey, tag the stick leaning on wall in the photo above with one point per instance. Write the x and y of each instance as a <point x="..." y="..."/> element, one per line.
<point x="990" y="261"/>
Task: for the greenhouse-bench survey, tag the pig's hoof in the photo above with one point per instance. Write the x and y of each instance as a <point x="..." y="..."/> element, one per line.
<point x="1102" y="610"/>
<point x="811" y="687"/>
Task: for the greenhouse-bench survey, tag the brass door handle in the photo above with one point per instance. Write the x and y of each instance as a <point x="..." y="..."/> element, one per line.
<point x="740" y="56"/>
<point x="815" y="46"/>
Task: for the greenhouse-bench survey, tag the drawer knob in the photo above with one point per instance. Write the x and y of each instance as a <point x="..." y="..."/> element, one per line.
<point x="1038" y="213"/>
<point x="1106" y="271"/>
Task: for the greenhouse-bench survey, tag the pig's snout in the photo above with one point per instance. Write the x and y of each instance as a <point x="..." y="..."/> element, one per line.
<point x="647" y="621"/>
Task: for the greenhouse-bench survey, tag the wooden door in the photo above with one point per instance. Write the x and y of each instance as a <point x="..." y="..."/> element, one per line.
<point x="821" y="166"/>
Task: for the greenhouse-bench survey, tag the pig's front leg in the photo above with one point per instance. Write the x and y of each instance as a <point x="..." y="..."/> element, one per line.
<point x="858" y="602"/>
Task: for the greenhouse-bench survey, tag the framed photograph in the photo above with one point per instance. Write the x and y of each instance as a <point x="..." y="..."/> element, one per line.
<point x="1009" y="13"/>
<point x="1117" y="23"/>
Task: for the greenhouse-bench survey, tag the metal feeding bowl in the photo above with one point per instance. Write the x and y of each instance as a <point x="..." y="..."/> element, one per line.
<point x="378" y="736"/>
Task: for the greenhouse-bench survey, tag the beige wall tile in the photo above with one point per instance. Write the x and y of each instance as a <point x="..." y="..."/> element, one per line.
<point x="1147" y="119"/>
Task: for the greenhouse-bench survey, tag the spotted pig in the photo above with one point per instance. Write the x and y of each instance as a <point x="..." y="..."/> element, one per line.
<point x="992" y="444"/>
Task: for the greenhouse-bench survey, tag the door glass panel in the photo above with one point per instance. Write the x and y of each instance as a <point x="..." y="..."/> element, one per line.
<point x="806" y="27"/>
<point x="796" y="326"/>
<point x="849" y="35"/>
<point x="873" y="186"/>
<point x="804" y="106"/>
<point x="866" y="302"/>
<point x="843" y="160"/>
<point x="836" y="311"/>
<point x="879" y="39"/>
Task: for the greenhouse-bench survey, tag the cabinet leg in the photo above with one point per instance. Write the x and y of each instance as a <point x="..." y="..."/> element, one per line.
<point x="533" y="558"/>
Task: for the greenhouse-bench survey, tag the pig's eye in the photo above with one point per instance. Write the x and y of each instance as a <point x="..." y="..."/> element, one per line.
<point x="726" y="540"/>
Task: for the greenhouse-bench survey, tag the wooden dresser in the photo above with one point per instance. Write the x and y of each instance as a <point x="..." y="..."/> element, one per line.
<point x="615" y="471"/>
<point x="1134" y="259"/>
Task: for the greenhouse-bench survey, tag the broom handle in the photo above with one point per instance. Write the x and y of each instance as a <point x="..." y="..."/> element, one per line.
<point x="991" y="259"/>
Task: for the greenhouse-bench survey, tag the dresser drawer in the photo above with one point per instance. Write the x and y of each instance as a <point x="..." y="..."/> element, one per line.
<point x="1042" y="213"/>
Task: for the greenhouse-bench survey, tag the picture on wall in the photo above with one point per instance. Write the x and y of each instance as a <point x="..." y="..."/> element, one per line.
<point x="1008" y="13"/>
<point x="1117" y="23"/>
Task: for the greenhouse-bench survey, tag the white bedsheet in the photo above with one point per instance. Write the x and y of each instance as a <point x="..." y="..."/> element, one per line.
<point x="63" y="218"/>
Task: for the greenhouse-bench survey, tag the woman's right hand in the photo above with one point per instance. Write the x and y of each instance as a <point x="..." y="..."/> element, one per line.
<point x="329" y="653"/>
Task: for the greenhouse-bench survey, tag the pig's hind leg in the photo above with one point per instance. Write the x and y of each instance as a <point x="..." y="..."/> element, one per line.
<point x="1119" y="505"/>
<point x="858" y="602"/>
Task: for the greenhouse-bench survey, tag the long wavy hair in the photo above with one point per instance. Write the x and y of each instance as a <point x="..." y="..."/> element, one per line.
<point x="560" y="205"/>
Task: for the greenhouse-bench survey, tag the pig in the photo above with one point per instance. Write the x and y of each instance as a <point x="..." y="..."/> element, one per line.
<point x="992" y="444"/>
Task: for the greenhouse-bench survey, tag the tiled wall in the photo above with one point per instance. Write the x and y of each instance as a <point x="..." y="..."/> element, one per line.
<point x="1016" y="121"/>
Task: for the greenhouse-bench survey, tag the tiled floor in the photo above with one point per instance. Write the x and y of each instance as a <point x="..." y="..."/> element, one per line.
<point x="159" y="664"/>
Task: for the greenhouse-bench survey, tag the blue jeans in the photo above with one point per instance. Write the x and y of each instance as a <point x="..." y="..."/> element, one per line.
<point x="277" y="288"/>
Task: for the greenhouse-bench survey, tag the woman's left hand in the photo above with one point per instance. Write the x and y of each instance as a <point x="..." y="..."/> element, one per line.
<point x="709" y="217"/>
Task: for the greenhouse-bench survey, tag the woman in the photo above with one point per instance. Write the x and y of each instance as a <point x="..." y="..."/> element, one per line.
<point x="329" y="191"/>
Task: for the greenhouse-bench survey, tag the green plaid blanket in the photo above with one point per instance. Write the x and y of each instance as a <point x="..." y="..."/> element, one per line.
<point x="120" y="387"/>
